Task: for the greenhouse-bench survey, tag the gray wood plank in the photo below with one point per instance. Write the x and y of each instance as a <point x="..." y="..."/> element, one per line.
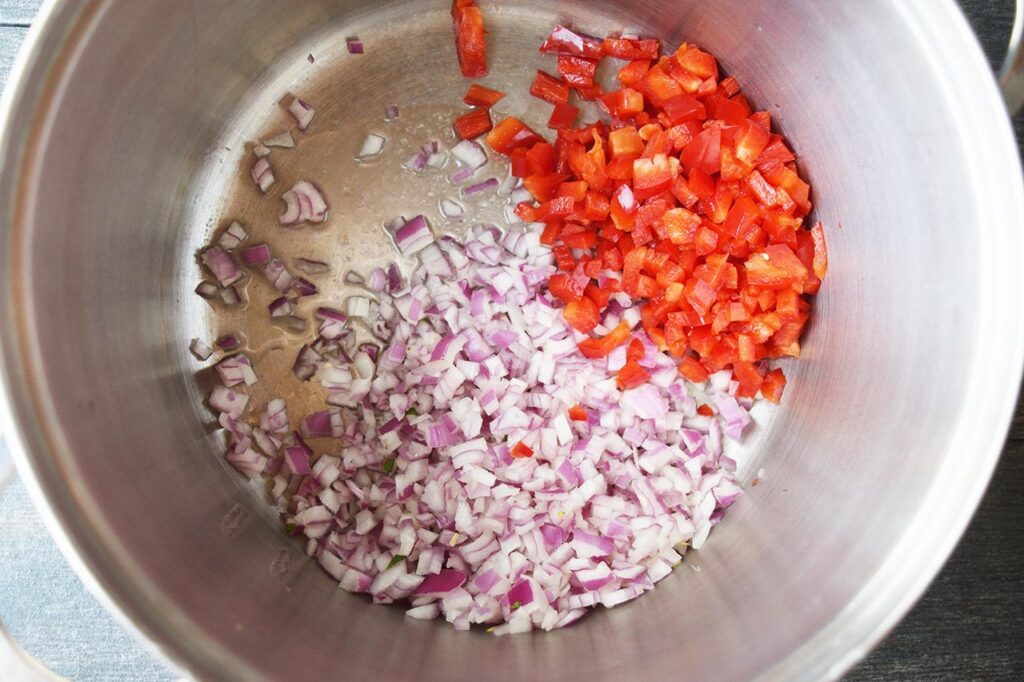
<point x="10" y="40"/>
<point x="18" y="12"/>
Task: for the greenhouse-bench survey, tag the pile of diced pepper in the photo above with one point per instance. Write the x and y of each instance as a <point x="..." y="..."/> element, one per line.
<point x="684" y="200"/>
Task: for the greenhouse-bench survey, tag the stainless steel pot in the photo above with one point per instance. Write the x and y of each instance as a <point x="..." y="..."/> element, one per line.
<point x="113" y="148"/>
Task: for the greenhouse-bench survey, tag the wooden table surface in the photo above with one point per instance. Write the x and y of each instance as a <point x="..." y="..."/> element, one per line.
<point x="968" y="626"/>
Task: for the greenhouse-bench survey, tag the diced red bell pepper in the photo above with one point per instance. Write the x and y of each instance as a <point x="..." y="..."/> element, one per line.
<point x="654" y="174"/>
<point x="511" y="133"/>
<point x="681" y="225"/>
<point x="692" y="370"/>
<point x="683" y="108"/>
<point x="697" y="62"/>
<point x="704" y="152"/>
<point x="473" y="124"/>
<point x="577" y="71"/>
<point x="566" y="287"/>
<point x="578" y="413"/>
<point x="772" y="386"/>
<point x="541" y="159"/>
<point x="632" y="375"/>
<point x="479" y="96"/>
<point x="777" y="267"/>
<point x="551" y="233"/>
<point x="601" y="347"/>
<point x="749" y="379"/>
<point x="550" y="89"/>
<point x="635" y="352"/>
<point x="563" y="258"/>
<point x="582" y="315"/>
<point x="658" y="87"/>
<point x="633" y="73"/>
<point x="566" y="41"/>
<point x="732" y="111"/>
<point x="563" y="116"/>
<point x="543" y="187"/>
<point x="580" y="240"/>
<point x="774" y="155"/>
<point x="469" y="38"/>
<point x="624" y="103"/>
<point x="751" y="141"/>
<point x="521" y="451"/>
<point x="628" y="48"/>
<point x="820" y="251"/>
<point x="625" y="141"/>
<point x="517" y="162"/>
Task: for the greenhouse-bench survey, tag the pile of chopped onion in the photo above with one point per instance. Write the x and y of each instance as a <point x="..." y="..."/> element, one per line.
<point x="482" y="469"/>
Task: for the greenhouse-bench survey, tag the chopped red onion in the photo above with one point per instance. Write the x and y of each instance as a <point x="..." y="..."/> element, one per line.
<point x="353" y="277"/>
<point x="355" y="46"/>
<point x="234" y="235"/>
<point x="222" y="266"/>
<point x="303" y="287"/>
<point x="395" y="283"/>
<point x="301" y="112"/>
<point x="230" y="296"/>
<point x="228" y="342"/>
<point x="413" y="236"/>
<point x="200" y="349"/>
<point x="306" y="363"/>
<point x="470" y="154"/>
<point x="262" y="174"/>
<point x="357" y="306"/>
<point x="480" y="187"/>
<point x="235" y="370"/>
<point x="437" y="160"/>
<point x="390" y="112"/>
<point x="280" y="307"/>
<point x="461" y="175"/>
<point x="378" y="280"/>
<point x="255" y="255"/>
<point x="303" y="203"/>
<point x="259" y="151"/>
<point x="228" y="401"/>
<point x="424" y="501"/>
<point x="334" y="323"/>
<point x="207" y="289"/>
<point x="418" y="162"/>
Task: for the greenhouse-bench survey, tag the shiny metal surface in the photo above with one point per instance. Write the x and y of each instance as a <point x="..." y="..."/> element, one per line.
<point x="123" y="135"/>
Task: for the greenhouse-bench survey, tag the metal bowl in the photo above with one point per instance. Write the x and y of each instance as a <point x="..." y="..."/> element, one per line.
<point x="123" y="132"/>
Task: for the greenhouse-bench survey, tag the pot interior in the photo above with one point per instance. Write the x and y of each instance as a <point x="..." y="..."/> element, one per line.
<point x="885" y="439"/>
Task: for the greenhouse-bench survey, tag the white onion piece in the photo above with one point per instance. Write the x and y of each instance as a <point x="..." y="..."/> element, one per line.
<point x="312" y="267"/>
<point x="284" y="139"/>
<point x="373" y="146"/>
